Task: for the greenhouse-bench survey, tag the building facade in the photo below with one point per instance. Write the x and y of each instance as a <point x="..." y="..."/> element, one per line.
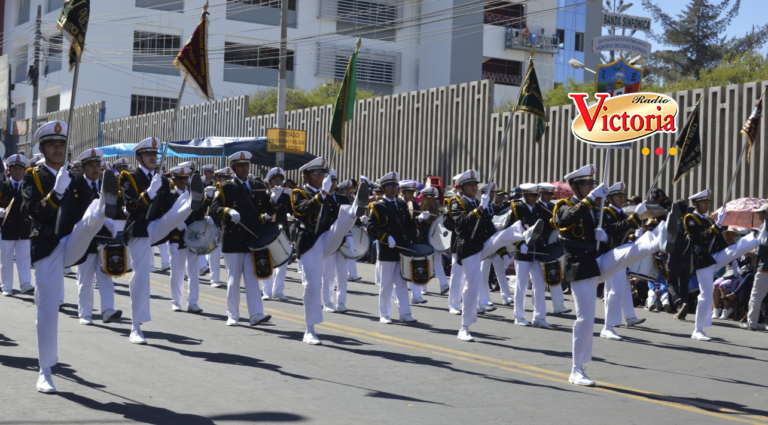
<point x="576" y="28"/>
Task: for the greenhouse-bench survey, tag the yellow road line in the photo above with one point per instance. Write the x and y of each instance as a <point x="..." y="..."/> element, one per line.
<point x="506" y="365"/>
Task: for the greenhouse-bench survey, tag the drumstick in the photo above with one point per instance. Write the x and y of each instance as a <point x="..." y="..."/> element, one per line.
<point x="8" y="210"/>
<point x="247" y="229"/>
<point x="404" y="249"/>
<point x="433" y="215"/>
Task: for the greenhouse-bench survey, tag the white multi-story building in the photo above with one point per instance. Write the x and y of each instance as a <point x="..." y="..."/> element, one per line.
<point x="406" y="45"/>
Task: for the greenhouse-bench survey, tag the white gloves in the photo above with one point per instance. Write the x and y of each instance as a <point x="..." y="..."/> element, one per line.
<point x="391" y="241"/>
<point x="523" y="248"/>
<point x="423" y="216"/>
<point x="507" y="260"/>
<point x="267" y="216"/>
<point x="486" y="199"/>
<point x="364" y="220"/>
<point x="209" y="191"/>
<point x="643" y="207"/>
<point x="209" y="220"/>
<point x="275" y="196"/>
<point x="600" y="235"/>
<point x="234" y="215"/>
<point x="327" y="183"/>
<point x="62" y="180"/>
<point x="350" y="243"/>
<point x="2" y="212"/>
<point x="125" y="211"/>
<point x="289" y="217"/>
<point x="154" y="185"/>
<point x="599" y="192"/>
<point x="182" y="226"/>
<point x="720" y="219"/>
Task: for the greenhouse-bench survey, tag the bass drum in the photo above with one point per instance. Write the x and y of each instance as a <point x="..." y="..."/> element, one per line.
<point x="362" y="243"/>
<point x="417" y="263"/>
<point x="201" y="237"/>
<point x="644" y="269"/>
<point x="113" y="256"/>
<point x="271" y="237"/>
<point x="439" y="237"/>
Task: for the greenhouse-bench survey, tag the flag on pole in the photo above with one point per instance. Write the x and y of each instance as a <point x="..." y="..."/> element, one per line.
<point x="344" y="107"/>
<point x="530" y="100"/>
<point x="73" y="23"/>
<point x="192" y="59"/>
<point x="752" y="126"/>
<point x="688" y="146"/>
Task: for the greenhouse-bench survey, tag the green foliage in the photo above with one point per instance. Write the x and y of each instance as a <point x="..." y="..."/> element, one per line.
<point x="733" y="69"/>
<point x="264" y="101"/>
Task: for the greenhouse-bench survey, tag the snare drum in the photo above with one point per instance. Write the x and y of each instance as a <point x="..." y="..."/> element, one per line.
<point x="362" y="242"/>
<point x="439" y="237"/>
<point x="113" y="256"/>
<point x="272" y="238"/>
<point x="201" y="237"/>
<point x="417" y="263"/>
<point x="644" y="269"/>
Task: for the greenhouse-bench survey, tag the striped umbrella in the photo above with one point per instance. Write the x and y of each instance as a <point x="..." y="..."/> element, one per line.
<point x="739" y="212"/>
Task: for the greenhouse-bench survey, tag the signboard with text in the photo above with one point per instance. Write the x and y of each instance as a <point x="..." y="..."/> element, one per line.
<point x="619" y="20"/>
<point x="286" y="140"/>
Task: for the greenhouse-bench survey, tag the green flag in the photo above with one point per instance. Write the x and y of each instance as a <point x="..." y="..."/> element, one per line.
<point x="344" y="107"/>
<point x="73" y="23"/>
<point x="529" y="100"/>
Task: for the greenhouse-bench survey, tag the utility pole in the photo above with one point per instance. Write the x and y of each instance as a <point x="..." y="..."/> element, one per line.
<point x="8" y="131"/>
<point x="36" y="69"/>
<point x="281" y="82"/>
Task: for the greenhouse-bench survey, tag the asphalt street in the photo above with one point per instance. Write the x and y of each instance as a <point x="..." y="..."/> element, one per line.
<point x="196" y="370"/>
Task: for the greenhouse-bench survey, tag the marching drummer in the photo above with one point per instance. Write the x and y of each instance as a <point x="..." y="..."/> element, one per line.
<point x="88" y="185"/>
<point x="243" y="205"/>
<point x="15" y="229"/>
<point x="275" y="284"/>
<point x="391" y="224"/>
<point x="214" y="257"/>
<point x="429" y="195"/>
<point x="121" y="165"/>
<point x="336" y="269"/>
<point x="408" y="193"/>
<point x="500" y="264"/>
<point x="182" y="256"/>
<point x="208" y="171"/>
<point x="547" y="191"/>
<point x="456" y="282"/>
<point x="347" y="188"/>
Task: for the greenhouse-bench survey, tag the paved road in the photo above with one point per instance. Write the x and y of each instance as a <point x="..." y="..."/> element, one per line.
<point x="196" y="370"/>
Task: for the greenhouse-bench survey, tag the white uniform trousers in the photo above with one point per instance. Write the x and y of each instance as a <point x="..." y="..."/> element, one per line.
<point x="652" y="298"/>
<point x="456" y="283"/>
<point x="759" y="290"/>
<point x="473" y="274"/>
<point x="182" y="259"/>
<point x="49" y="277"/>
<point x="530" y="271"/>
<point x="417" y="291"/>
<point x="214" y="261"/>
<point x="202" y="262"/>
<point x="340" y="264"/>
<point x="392" y="281"/>
<point x="86" y="272"/>
<point x="163" y="250"/>
<point x="440" y="271"/>
<point x="314" y="262"/>
<point x="501" y="276"/>
<point x="352" y="269"/>
<point x="618" y="299"/>
<point x="377" y="276"/>
<point x="706" y="277"/>
<point x="558" y="300"/>
<point x="240" y="264"/>
<point x="20" y="250"/>
<point x="585" y="290"/>
<point x="276" y="283"/>
<point x="142" y="253"/>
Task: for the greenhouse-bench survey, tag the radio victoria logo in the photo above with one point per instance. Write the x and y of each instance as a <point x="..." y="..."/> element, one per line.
<point x="621" y="119"/>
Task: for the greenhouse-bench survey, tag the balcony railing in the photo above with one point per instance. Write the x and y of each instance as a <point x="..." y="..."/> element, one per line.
<point x="517" y="39"/>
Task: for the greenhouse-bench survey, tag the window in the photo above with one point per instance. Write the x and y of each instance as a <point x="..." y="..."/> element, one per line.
<point x="52" y="5"/>
<point x="366" y="12"/>
<point x="504" y="72"/>
<point x="156" y="44"/>
<point x="52" y="103"/>
<point x="255" y="56"/>
<point x="503" y="13"/>
<point x="246" y="5"/>
<point x="54" y="52"/>
<point x="21" y="111"/>
<point x="373" y="66"/>
<point x="20" y="70"/>
<point x="141" y="105"/>
<point x="164" y="5"/>
<point x="560" y="38"/>
<point x="369" y="69"/>
<point x="22" y="14"/>
<point x="579" y="42"/>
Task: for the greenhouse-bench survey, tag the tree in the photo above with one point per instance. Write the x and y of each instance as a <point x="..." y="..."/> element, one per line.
<point x="264" y="101"/>
<point x="619" y="7"/>
<point x="696" y="40"/>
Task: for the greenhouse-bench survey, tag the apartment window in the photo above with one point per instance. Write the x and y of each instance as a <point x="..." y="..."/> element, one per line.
<point x="504" y="72"/>
<point x="152" y="43"/>
<point x="52" y="103"/>
<point x="20" y="58"/>
<point x="579" y="42"/>
<point x="561" y="38"/>
<point x="164" y="5"/>
<point x="247" y="5"/>
<point x="22" y="13"/>
<point x="503" y="13"/>
<point x="255" y="56"/>
<point x="366" y="12"/>
<point x="369" y="69"/>
<point x="54" y="52"/>
<point x="141" y="105"/>
<point x="373" y="66"/>
<point x="21" y="111"/>
<point x="52" y="5"/>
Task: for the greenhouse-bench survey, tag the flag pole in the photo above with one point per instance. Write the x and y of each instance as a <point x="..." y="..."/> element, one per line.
<point x="72" y="99"/>
<point x="655" y="179"/>
<point x="730" y="186"/>
<point x="605" y="182"/>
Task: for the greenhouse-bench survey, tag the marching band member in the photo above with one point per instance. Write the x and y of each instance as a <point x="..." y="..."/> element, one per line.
<point x="214" y="257"/>
<point x="46" y="192"/>
<point x="577" y="220"/>
<point x="618" y="295"/>
<point x="243" y="203"/>
<point x="152" y="215"/>
<point x="547" y="191"/>
<point x="121" y="165"/>
<point x="15" y="229"/>
<point x="275" y="284"/>
<point x="710" y="252"/>
<point x="477" y="239"/>
<point x="182" y="258"/>
<point x="431" y="193"/>
<point x="76" y="166"/>
<point x="346" y="188"/>
<point x="88" y="185"/>
<point x="336" y="268"/>
<point x="456" y="282"/>
<point x="208" y="173"/>
<point x="319" y="236"/>
<point x="408" y="192"/>
<point x="499" y="267"/>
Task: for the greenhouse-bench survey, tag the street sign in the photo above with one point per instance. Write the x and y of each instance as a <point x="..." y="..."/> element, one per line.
<point x="619" y="20"/>
<point x="617" y="78"/>
<point x="286" y="140"/>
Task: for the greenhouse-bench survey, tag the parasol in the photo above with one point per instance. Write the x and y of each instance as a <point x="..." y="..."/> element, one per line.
<point x="739" y="212"/>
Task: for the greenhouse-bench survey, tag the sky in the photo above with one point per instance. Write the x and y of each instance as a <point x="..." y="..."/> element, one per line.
<point x="752" y="12"/>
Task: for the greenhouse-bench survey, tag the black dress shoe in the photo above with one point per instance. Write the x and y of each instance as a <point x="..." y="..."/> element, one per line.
<point x="109" y="193"/>
<point x="361" y="200"/>
<point x="196" y="192"/>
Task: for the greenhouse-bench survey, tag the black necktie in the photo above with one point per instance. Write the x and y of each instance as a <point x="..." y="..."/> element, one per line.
<point x="247" y="189"/>
<point x="149" y="176"/>
<point x="95" y="189"/>
<point x="16" y="187"/>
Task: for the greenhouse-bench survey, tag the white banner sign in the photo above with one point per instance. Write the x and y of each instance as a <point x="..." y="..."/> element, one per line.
<point x="619" y="20"/>
<point x="622" y="146"/>
<point x="620" y="42"/>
